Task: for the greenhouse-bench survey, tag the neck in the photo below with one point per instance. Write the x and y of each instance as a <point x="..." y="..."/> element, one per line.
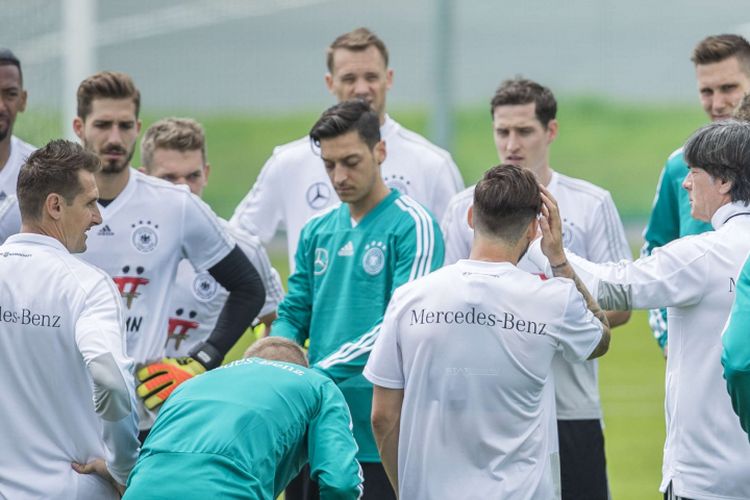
<point x="111" y="185"/>
<point x="39" y="227"/>
<point x="543" y="174"/>
<point x="382" y="119"/>
<point x="361" y="208"/>
<point x="5" y="150"/>
<point x="495" y="250"/>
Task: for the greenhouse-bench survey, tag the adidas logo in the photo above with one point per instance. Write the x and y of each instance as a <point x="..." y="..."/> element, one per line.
<point x="347" y="250"/>
<point x="105" y="231"/>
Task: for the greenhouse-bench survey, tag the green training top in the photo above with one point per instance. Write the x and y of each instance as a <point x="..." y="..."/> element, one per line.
<point x="344" y="277"/>
<point x="670" y="219"/>
<point x="736" y="354"/>
<point x="244" y="431"/>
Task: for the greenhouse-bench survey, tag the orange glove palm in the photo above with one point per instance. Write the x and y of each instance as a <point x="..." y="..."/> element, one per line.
<point x="159" y="379"/>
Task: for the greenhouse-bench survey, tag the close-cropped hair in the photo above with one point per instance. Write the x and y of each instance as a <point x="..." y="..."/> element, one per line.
<point x="519" y="91"/>
<point x="8" y="58"/>
<point x="176" y="134"/>
<point x="106" y="85"/>
<point x="356" y="41"/>
<point x="506" y="200"/>
<point x="277" y="349"/>
<point x="52" y="169"/>
<point x="717" y="48"/>
<point x="722" y="149"/>
<point x="742" y="113"/>
<point x="353" y="115"/>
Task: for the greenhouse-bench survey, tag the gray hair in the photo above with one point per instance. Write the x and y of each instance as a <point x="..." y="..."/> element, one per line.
<point x="277" y="349"/>
<point x="722" y="149"/>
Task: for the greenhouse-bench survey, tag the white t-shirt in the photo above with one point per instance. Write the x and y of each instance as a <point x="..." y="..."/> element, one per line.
<point x="146" y="231"/>
<point x="67" y="387"/>
<point x="198" y="299"/>
<point x="10" y="217"/>
<point x="472" y="346"/>
<point x="19" y="152"/>
<point x="591" y="228"/>
<point x="706" y="454"/>
<point x="293" y="184"/>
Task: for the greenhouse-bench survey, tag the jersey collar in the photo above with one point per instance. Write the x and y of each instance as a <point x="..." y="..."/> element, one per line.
<point x="123" y="197"/>
<point x="372" y="214"/>
<point x="389" y="127"/>
<point x="36" y="239"/>
<point x="729" y="211"/>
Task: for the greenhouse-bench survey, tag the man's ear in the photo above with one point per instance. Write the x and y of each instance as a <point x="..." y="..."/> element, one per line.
<point x="206" y="171"/>
<point x="329" y="82"/>
<point x="470" y="216"/>
<point x="725" y="186"/>
<point x="78" y="126"/>
<point x="22" y="106"/>
<point x="53" y="206"/>
<point x="380" y="152"/>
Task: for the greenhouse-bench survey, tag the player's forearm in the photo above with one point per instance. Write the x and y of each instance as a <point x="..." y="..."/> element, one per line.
<point x="617" y="318"/>
<point x="350" y="359"/>
<point x="386" y="421"/>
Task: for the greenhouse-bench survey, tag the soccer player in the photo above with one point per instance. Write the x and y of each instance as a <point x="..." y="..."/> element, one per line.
<point x="291" y="186"/>
<point x="735" y="356"/>
<point x="463" y="358"/>
<point x="174" y="149"/>
<point x="525" y="126"/>
<point x="706" y="454"/>
<point x="275" y="415"/>
<point x="68" y="395"/>
<point x="150" y="225"/>
<point x="13" y="151"/>
<point x="349" y="261"/>
<point x="722" y="70"/>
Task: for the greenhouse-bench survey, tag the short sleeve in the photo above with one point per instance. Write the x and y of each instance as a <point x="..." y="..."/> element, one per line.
<point x="579" y="332"/>
<point x="10" y="217"/>
<point x="260" y="212"/>
<point x="99" y="329"/>
<point x="205" y="241"/>
<point x="456" y="231"/>
<point x="385" y="365"/>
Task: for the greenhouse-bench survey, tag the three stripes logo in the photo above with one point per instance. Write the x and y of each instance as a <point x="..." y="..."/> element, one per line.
<point x="105" y="231"/>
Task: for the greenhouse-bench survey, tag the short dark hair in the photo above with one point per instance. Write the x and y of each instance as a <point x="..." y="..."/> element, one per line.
<point x="506" y="200"/>
<point x="718" y="48"/>
<point x="742" y="113"/>
<point x="345" y="117"/>
<point x="356" y="41"/>
<point x="52" y="169"/>
<point x="106" y="85"/>
<point x="277" y="349"/>
<point x="722" y="149"/>
<point x="523" y="91"/>
<point x="8" y="58"/>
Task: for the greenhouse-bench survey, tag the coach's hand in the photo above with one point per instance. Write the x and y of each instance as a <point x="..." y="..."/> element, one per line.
<point x="158" y="380"/>
<point x="551" y="227"/>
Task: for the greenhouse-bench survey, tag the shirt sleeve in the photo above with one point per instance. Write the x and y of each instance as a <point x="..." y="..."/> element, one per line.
<point x="10" y="217"/>
<point x="419" y="251"/>
<point x="455" y="231"/>
<point x="260" y="212"/>
<point x="606" y="240"/>
<point x="257" y="255"/>
<point x="736" y="349"/>
<point x="295" y="311"/>
<point x="205" y="241"/>
<point x="579" y="332"/>
<point x="332" y="449"/>
<point x="445" y="187"/>
<point x="385" y="365"/>
<point x="100" y="339"/>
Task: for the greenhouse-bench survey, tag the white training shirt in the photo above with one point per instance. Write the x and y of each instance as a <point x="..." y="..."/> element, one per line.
<point x="19" y="152"/>
<point x="10" y="217"/>
<point x="591" y="228"/>
<point x="198" y="299"/>
<point x="67" y="387"/>
<point x="293" y="184"/>
<point x="706" y="454"/>
<point x="146" y="231"/>
<point x="472" y="346"/>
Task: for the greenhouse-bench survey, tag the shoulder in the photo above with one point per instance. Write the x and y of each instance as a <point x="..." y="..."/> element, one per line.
<point x="462" y="199"/>
<point x="676" y="163"/>
<point x="411" y="140"/>
<point x="300" y="148"/>
<point x="410" y="213"/>
<point x="88" y="277"/>
<point x="24" y="147"/>
<point x="583" y="190"/>
<point x="324" y="219"/>
<point x="149" y="182"/>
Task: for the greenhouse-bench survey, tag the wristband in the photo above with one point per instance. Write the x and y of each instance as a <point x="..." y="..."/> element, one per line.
<point x="207" y="355"/>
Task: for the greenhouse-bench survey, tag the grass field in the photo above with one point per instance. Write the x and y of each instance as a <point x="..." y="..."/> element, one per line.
<point x="620" y="147"/>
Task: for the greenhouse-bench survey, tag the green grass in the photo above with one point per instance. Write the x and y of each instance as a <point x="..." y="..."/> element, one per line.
<point x="618" y="146"/>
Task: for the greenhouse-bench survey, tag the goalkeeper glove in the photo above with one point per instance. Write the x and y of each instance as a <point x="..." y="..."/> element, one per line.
<point x="159" y="379"/>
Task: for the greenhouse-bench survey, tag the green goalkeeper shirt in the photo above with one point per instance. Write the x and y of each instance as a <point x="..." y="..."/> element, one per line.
<point x="244" y="431"/>
<point x="670" y="219"/>
<point x="345" y="275"/>
<point x="736" y="349"/>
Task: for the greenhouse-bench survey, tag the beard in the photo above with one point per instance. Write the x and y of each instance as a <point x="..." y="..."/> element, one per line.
<point x="112" y="166"/>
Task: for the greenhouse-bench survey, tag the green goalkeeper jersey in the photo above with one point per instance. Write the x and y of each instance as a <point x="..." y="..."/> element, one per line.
<point x="345" y="275"/>
<point x="670" y="219"/>
<point x="736" y="349"/>
<point x="244" y="431"/>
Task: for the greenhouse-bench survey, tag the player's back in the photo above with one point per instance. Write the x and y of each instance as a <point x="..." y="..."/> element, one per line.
<point x="49" y="418"/>
<point x="474" y="376"/>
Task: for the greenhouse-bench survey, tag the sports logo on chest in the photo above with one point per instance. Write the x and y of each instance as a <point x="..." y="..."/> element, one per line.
<point x="129" y="283"/>
<point x="204" y="287"/>
<point x="398" y="182"/>
<point x="320" y="263"/>
<point x="318" y="195"/>
<point x="145" y="236"/>
<point x="180" y="326"/>
<point x="568" y="232"/>
<point x="373" y="260"/>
